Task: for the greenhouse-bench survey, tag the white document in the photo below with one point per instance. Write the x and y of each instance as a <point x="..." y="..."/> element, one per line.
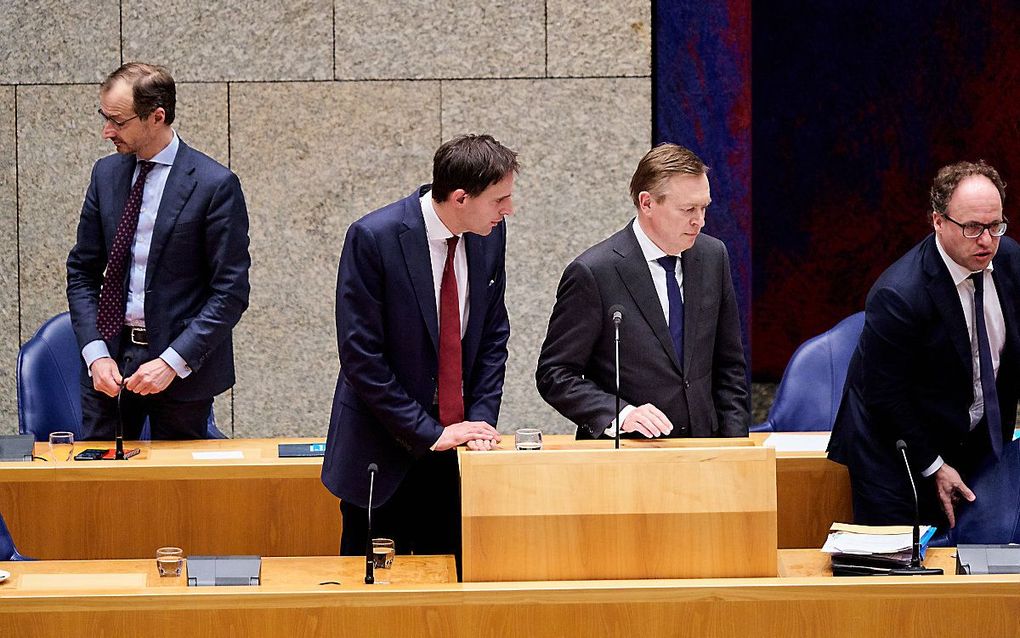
<point x="851" y="543"/>
<point x="215" y="456"/>
<point x="788" y="442"/>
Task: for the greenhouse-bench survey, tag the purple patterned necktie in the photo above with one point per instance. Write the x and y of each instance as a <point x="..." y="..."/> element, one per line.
<point x="112" y="298"/>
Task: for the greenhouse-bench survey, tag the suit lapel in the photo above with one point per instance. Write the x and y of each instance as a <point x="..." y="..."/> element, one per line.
<point x="945" y="297"/>
<point x="180" y="183"/>
<point x="693" y="287"/>
<point x="414" y="246"/>
<point x="633" y="271"/>
<point x="121" y="187"/>
<point x="478" y="283"/>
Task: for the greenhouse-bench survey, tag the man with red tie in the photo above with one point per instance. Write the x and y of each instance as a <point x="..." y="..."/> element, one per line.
<point x="422" y="332"/>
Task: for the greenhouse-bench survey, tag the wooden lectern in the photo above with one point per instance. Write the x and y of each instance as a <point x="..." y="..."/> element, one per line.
<point x="586" y="514"/>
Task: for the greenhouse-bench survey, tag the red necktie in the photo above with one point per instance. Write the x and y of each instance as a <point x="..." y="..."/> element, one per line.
<point x="451" y="377"/>
<point x="112" y="298"/>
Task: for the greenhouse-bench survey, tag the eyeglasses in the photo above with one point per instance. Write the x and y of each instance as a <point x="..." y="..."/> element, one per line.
<point x="116" y="124"/>
<point x="973" y="230"/>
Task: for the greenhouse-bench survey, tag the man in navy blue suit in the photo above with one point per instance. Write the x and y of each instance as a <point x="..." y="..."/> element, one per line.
<point x="937" y="362"/>
<point x="422" y="332"/>
<point x="158" y="277"/>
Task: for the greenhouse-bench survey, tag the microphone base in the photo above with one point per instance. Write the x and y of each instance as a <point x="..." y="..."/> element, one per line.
<point x="916" y="571"/>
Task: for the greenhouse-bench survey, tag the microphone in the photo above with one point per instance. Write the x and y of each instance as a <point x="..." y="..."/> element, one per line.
<point x="118" y="437"/>
<point x="369" y="558"/>
<point x="616" y="314"/>
<point x="915" y="568"/>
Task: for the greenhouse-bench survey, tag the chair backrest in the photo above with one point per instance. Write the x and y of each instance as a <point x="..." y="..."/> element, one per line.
<point x="49" y="395"/>
<point x="49" y="386"/>
<point x="7" y="549"/>
<point x="994" y="516"/>
<point x="811" y="389"/>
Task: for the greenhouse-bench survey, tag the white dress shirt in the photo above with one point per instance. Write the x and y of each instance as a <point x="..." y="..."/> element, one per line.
<point x="437" y="233"/>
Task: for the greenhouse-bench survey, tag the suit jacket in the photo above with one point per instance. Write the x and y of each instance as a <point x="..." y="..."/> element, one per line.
<point x="705" y="395"/>
<point x="910" y="378"/>
<point x="196" y="279"/>
<point x="388" y="334"/>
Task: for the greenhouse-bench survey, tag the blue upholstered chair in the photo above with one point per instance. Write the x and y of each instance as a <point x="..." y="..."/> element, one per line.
<point x="49" y="394"/>
<point x="812" y="385"/>
<point x="994" y="517"/>
<point x="7" y="549"/>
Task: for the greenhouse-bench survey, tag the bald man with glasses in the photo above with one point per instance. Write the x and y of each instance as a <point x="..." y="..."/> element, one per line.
<point x="938" y="362"/>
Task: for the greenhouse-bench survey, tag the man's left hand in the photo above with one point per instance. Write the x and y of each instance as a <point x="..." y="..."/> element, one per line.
<point x="151" y="377"/>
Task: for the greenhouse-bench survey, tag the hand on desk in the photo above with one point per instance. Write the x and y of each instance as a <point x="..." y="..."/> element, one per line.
<point x="648" y="420"/>
<point x="951" y="489"/>
<point x="478" y="435"/>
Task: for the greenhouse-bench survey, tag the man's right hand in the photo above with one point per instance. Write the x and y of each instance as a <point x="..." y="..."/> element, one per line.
<point x="951" y="489"/>
<point x="460" y="433"/>
<point x="648" y="420"/>
<point x="106" y="376"/>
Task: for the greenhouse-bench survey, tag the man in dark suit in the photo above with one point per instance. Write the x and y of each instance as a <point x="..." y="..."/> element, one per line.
<point x="936" y="364"/>
<point x="682" y="371"/>
<point x="159" y="274"/>
<point x="422" y="332"/>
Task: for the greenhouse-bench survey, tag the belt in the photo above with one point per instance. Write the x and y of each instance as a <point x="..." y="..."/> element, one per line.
<point x="138" y="336"/>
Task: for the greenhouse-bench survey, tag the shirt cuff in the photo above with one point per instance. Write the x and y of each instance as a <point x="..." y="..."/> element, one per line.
<point x="934" y="467"/>
<point x="624" y="413"/>
<point x="94" y="350"/>
<point x="176" y="362"/>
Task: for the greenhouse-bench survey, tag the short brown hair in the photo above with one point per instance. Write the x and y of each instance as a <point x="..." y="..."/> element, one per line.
<point x="152" y="87"/>
<point x="661" y="163"/>
<point x="470" y="162"/>
<point x="949" y="177"/>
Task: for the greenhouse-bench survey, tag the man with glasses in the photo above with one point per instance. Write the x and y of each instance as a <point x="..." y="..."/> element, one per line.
<point x="937" y="362"/>
<point x="158" y="276"/>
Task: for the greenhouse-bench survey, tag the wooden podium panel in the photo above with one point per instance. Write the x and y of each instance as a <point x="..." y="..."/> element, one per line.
<point x="618" y="514"/>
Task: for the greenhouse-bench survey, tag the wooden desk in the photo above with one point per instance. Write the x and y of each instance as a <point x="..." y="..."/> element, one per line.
<point x="258" y="504"/>
<point x="265" y="505"/>
<point x="803" y="603"/>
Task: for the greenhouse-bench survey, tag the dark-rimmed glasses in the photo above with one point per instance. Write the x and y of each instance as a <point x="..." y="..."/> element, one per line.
<point x="116" y="124"/>
<point x="973" y="230"/>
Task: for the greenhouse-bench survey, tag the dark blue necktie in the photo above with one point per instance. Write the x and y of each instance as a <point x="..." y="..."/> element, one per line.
<point x="991" y="396"/>
<point x="676" y="305"/>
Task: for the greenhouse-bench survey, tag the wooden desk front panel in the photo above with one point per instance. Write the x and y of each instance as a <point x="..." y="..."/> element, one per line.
<point x="797" y="606"/>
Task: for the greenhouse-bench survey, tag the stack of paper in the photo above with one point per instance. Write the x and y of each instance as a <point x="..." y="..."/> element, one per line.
<point x="859" y="550"/>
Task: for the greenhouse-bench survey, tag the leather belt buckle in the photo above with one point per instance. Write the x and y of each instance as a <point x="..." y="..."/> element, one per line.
<point x="139" y="336"/>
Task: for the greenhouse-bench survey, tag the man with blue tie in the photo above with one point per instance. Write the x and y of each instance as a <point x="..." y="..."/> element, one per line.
<point x="682" y="370"/>
<point x="937" y="362"/>
<point x="422" y="333"/>
<point x="158" y="277"/>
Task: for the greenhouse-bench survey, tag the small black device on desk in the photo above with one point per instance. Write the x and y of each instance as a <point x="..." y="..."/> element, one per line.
<point x="286" y="450"/>
<point x="108" y="454"/>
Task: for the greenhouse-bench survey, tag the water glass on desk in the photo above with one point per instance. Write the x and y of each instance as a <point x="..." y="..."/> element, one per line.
<point x="169" y="561"/>
<point x="61" y="446"/>
<point x="528" y="439"/>
<point x="384" y="550"/>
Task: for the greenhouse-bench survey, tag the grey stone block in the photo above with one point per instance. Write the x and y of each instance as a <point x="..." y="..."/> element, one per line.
<point x="579" y="142"/>
<point x="232" y="40"/>
<point x="440" y="39"/>
<point x="599" y="38"/>
<point x="58" y="41"/>
<point x="8" y="264"/>
<point x="313" y="158"/>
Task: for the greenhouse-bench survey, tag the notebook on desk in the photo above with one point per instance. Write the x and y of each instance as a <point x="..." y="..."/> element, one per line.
<point x="16" y="447"/>
<point x="301" y="449"/>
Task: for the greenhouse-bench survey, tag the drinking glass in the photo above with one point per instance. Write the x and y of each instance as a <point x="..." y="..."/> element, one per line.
<point x="169" y="561"/>
<point x="383" y="552"/>
<point x="528" y="439"/>
<point x="61" y="446"/>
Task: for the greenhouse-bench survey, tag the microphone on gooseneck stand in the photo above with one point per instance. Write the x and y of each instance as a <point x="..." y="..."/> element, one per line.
<point x="119" y="435"/>
<point x="616" y="314"/>
<point x="369" y="558"/>
<point x="915" y="568"/>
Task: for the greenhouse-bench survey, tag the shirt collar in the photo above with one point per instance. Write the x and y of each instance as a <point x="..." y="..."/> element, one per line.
<point x="956" y="271"/>
<point x="435" y="229"/>
<point x="169" y="152"/>
<point x="648" y="247"/>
